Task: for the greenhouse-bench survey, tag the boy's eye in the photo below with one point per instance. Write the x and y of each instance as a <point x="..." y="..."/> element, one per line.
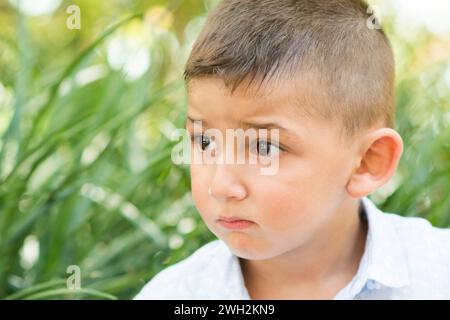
<point x="201" y="140"/>
<point x="266" y="148"/>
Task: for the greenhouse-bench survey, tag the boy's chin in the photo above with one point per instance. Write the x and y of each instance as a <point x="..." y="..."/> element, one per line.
<point x="254" y="255"/>
<point x="249" y="250"/>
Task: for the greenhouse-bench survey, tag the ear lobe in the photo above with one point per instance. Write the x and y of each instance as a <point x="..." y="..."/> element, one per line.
<point x="381" y="152"/>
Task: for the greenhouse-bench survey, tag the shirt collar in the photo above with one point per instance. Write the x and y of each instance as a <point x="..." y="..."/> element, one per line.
<point x="383" y="255"/>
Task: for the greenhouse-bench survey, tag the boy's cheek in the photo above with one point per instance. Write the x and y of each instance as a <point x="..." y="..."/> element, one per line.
<point x="282" y="209"/>
<point x="197" y="183"/>
<point x="201" y="198"/>
<point x="281" y="218"/>
<point x="198" y="195"/>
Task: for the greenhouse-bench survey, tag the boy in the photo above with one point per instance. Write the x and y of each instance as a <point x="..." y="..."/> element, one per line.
<point x="318" y="73"/>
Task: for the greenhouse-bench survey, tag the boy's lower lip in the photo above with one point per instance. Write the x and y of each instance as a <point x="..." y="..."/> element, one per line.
<point x="236" y="224"/>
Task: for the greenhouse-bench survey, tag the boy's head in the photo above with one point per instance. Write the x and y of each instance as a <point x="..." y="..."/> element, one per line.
<point x="321" y="71"/>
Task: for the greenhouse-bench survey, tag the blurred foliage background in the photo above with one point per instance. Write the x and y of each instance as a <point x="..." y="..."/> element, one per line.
<point x="86" y="117"/>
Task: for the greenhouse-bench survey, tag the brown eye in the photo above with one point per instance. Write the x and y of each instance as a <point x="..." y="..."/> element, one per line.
<point x="202" y="141"/>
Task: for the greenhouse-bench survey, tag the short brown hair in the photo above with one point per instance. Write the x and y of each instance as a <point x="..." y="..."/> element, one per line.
<point x="262" y="39"/>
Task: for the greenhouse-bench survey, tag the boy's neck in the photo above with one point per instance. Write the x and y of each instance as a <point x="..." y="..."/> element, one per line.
<point x="316" y="270"/>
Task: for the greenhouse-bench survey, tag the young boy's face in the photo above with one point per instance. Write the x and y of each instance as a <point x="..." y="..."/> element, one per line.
<point x="293" y="206"/>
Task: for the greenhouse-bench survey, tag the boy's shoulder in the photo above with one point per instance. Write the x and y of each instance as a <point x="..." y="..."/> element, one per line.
<point x="202" y="273"/>
<point x="426" y="251"/>
<point x="407" y="252"/>
<point x="415" y="234"/>
<point x="418" y="234"/>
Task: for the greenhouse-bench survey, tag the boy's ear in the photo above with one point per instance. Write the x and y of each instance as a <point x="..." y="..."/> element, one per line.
<point x="377" y="161"/>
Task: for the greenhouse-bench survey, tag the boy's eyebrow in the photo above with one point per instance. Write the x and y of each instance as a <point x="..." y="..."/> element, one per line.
<point x="268" y="125"/>
<point x="245" y="124"/>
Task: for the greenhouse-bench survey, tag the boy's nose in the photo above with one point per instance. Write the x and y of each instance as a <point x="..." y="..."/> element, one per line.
<point x="226" y="183"/>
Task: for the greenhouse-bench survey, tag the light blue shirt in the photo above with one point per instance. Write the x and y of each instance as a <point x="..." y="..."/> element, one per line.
<point x="404" y="258"/>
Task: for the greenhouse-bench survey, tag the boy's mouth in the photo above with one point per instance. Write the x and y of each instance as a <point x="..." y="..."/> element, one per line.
<point x="235" y="223"/>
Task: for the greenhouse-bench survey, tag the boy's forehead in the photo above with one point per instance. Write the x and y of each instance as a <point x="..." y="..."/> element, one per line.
<point x="210" y="96"/>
